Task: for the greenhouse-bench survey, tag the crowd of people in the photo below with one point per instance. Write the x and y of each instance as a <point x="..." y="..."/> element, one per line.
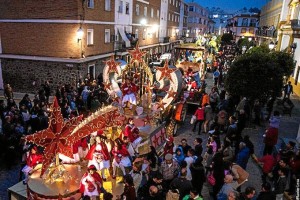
<point x="182" y="170"/>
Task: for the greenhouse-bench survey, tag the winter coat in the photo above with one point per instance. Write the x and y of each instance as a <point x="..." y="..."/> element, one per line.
<point x="199" y="114"/>
<point x="243" y="157"/>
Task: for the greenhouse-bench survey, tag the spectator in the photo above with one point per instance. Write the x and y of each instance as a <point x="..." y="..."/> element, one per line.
<point x="248" y="194"/>
<point x="169" y="169"/>
<point x="181" y="184"/>
<point x="266" y="193"/>
<point x="243" y="155"/>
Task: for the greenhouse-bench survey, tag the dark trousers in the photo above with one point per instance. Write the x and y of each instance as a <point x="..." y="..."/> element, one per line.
<point x="200" y="125"/>
<point x="268" y="149"/>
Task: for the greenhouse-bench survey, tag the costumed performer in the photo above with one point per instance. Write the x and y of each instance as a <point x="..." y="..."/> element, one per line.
<point x="32" y="160"/>
<point x="80" y="150"/>
<point x="129" y="89"/>
<point x="121" y="157"/>
<point x="91" y="183"/>
<point x="98" y="155"/>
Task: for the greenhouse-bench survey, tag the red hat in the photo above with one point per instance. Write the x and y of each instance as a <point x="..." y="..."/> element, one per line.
<point x="92" y="167"/>
<point x="100" y="132"/>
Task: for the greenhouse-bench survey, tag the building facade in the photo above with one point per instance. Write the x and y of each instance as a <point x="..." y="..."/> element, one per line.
<point x="63" y="44"/>
<point x="243" y="25"/>
<point x="269" y="21"/>
<point x="197" y="20"/>
<point x="289" y="37"/>
<point x="184" y="10"/>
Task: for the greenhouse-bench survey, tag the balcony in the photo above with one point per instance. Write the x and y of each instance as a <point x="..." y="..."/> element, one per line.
<point x="266" y="32"/>
<point x="121" y="45"/>
<point x="164" y="39"/>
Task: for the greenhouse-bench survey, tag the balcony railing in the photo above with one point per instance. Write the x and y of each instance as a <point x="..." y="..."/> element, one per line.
<point x="267" y="33"/>
<point x="121" y="46"/>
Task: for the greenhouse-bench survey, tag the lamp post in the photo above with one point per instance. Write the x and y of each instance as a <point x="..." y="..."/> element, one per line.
<point x="271" y="45"/>
<point x="80" y="34"/>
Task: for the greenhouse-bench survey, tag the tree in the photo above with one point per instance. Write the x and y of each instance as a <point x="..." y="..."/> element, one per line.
<point x="227" y="38"/>
<point x="258" y="74"/>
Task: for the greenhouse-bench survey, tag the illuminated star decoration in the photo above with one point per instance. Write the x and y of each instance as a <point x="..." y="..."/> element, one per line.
<point x="107" y="85"/>
<point x="148" y="87"/>
<point x="172" y="94"/>
<point x="166" y="71"/>
<point x="161" y="105"/>
<point x="136" y="54"/>
<point x="112" y="65"/>
<point x="57" y="137"/>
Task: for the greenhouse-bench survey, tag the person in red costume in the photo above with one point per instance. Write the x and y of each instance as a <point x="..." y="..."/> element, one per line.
<point x="91" y="183"/>
<point x="98" y="156"/>
<point x="132" y="132"/>
<point x="32" y="160"/>
<point x="80" y="150"/>
<point x="129" y="89"/>
<point x="121" y="157"/>
<point x="169" y="146"/>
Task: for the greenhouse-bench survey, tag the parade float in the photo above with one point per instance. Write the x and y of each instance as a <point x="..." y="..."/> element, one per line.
<point x="151" y="100"/>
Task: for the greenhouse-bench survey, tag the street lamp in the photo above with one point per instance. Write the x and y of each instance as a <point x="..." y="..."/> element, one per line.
<point x="79" y="34"/>
<point x="250" y="39"/>
<point x="79" y="39"/>
<point x="271" y="45"/>
<point x="143" y="22"/>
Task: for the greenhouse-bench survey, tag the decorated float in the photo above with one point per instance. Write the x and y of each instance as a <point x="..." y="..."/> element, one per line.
<point x="152" y="101"/>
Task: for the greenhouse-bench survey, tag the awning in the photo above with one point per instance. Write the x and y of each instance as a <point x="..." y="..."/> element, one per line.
<point x="123" y="35"/>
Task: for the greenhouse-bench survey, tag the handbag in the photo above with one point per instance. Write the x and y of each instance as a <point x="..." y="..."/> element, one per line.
<point x="211" y="179"/>
<point x="193" y="119"/>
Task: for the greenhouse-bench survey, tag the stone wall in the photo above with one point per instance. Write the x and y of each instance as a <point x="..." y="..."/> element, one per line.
<point x="21" y="74"/>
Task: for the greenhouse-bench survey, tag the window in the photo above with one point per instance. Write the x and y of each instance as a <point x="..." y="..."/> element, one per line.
<point x="145" y="11"/>
<point x="191" y="8"/>
<point x="107" y="36"/>
<point x="136" y="33"/>
<point x="243" y="30"/>
<point x="200" y="21"/>
<point x="251" y="30"/>
<point x="107" y="5"/>
<point x="127" y="8"/>
<point x="172" y="17"/>
<point x="91" y="71"/>
<point x="173" y="2"/>
<point x="152" y="12"/>
<point x="245" y="22"/>
<point x="120" y="7"/>
<point x="156" y="33"/>
<point x="157" y="13"/>
<point x="90" y="36"/>
<point x="253" y="22"/>
<point x="90" y="3"/>
<point x="176" y="4"/>
<point x="137" y="9"/>
<point x="169" y="18"/>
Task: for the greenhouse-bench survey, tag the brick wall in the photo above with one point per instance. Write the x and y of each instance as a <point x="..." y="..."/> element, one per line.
<point x="33" y="9"/>
<point x="53" y="40"/>
<point x="39" y="71"/>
